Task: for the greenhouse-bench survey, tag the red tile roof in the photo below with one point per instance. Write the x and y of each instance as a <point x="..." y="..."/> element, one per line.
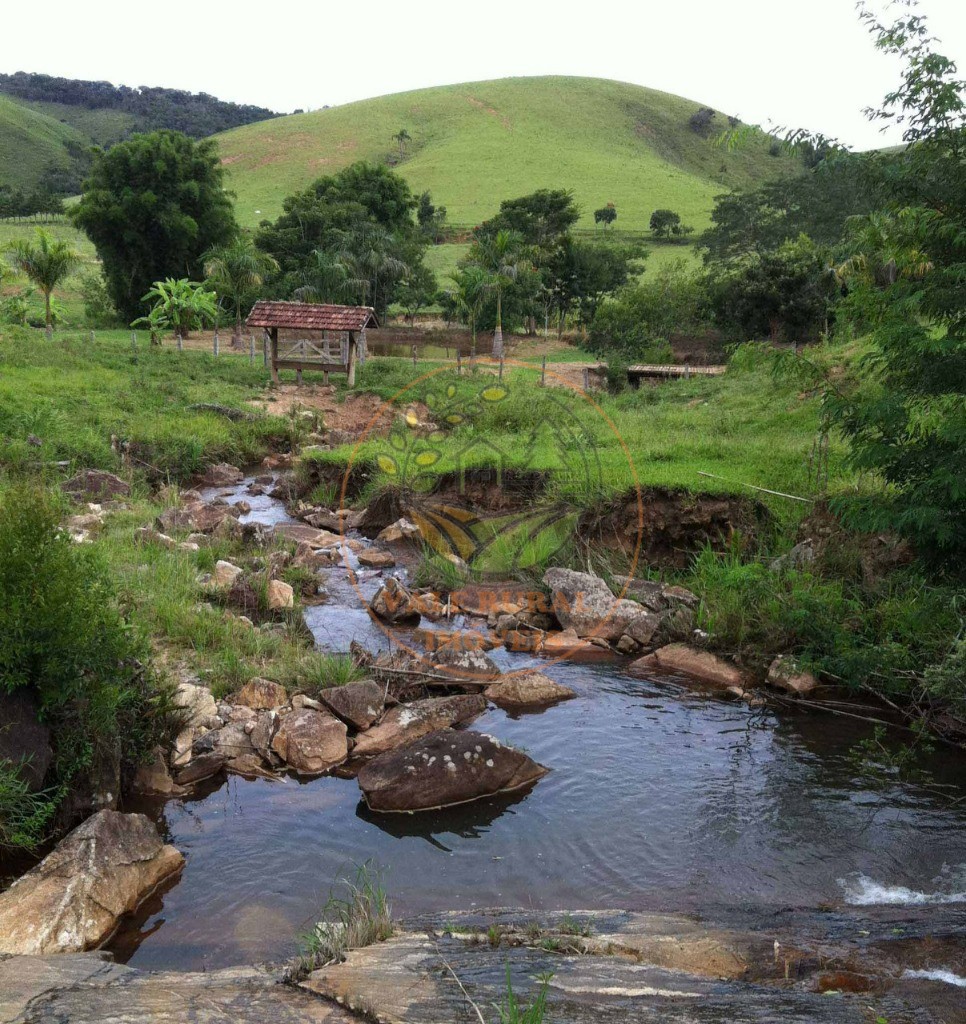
<point x="307" y="317"/>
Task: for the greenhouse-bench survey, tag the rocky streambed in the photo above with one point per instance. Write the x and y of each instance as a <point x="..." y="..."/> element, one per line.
<point x="626" y="769"/>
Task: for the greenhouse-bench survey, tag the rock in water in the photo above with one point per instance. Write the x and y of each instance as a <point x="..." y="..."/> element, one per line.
<point x="527" y="690"/>
<point x="222" y="474"/>
<point x="785" y="674"/>
<point x="462" y="662"/>
<point x="394" y="604"/>
<point x="73" y="898"/>
<point x="408" y="722"/>
<point x="446" y="767"/>
<point x="690" y="661"/>
<point x="310" y="742"/>
<point x="357" y="704"/>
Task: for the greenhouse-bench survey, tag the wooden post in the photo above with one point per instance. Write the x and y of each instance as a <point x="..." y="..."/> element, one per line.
<point x="134" y="341"/>
<point x="414" y="357"/>
<point x="687" y="371"/>
<point x="543" y="372"/>
<point x="298" y="375"/>
<point x="586" y="379"/>
<point x="180" y="342"/>
<point x="265" y="348"/>
<point x="251" y="349"/>
<point x="459" y="363"/>
<point x="92" y="338"/>
<point x="214" y="344"/>
<point x="501" y="366"/>
<point x="274" y="336"/>
<point x="352" y="360"/>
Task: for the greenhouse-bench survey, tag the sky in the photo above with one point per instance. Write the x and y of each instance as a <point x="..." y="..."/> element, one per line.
<point x="792" y="63"/>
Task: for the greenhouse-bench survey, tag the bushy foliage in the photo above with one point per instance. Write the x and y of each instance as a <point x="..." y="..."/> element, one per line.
<point x="348" y="237"/>
<point x="153" y="206"/>
<point x="99" y="310"/>
<point x="784" y="294"/>
<point x="639" y="321"/>
<point x="66" y="642"/>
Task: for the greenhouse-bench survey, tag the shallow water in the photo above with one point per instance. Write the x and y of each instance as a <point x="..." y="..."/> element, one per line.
<point x="657" y="798"/>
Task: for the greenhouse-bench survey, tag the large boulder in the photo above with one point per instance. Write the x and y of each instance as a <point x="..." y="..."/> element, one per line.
<point x="310" y="742"/>
<point x="407" y="722"/>
<point x="197" y="517"/>
<point x="446" y="767"/>
<point x="682" y="659"/>
<point x="72" y="900"/>
<point x="530" y="689"/>
<point x="314" y="538"/>
<point x="231" y="740"/>
<point x="394" y="604"/>
<point x="96" y="485"/>
<point x="24" y="739"/>
<point x="224" y="575"/>
<point x="357" y="704"/>
<point x="585" y="604"/>
<point x="279" y="595"/>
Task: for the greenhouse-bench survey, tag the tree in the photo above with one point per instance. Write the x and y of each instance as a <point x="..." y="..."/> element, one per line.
<point x="667" y="223"/>
<point x="904" y="413"/>
<point x="153" y="206"/>
<point x="606" y="215"/>
<point x="579" y="275"/>
<point x="236" y="271"/>
<point x="541" y="218"/>
<point x="430" y="218"/>
<point x="179" y="306"/>
<point x="45" y="264"/>
<point x="470" y="287"/>
<point x="502" y="257"/>
<point x="338" y="215"/>
<point x="402" y="137"/>
<point x="785" y="293"/>
<point x="418" y="289"/>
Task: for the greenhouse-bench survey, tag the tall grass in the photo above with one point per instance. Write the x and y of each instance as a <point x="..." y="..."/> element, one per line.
<point x="357" y="913"/>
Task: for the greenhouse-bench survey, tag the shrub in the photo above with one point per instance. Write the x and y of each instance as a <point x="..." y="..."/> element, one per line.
<point x="99" y="308"/>
<point x="65" y="639"/>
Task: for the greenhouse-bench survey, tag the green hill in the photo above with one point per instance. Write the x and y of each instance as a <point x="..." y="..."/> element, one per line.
<point x="478" y="143"/>
<point x="32" y="143"/>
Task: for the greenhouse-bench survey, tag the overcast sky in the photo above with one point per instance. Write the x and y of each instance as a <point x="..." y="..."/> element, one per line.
<point x="800" y="63"/>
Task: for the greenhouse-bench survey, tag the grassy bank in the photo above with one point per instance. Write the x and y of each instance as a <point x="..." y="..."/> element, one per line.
<point x="106" y="405"/>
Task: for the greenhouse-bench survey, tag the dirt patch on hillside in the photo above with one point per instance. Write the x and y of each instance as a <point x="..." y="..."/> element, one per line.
<point x="359" y="414"/>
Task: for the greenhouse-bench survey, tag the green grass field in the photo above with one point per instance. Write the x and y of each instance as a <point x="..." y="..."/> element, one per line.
<point x="478" y="143"/>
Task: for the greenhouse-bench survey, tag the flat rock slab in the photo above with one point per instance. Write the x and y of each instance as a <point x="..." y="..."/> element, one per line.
<point x="72" y="900"/>
<point x="690" y="661"/>
<point x="86" y="989"/>
<point x="407" y="979"/>
<point x="443" y="769"/>
<point x="408" y="722"/>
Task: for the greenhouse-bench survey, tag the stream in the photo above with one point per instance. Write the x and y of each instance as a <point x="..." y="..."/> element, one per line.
<point x="658" y="798"/>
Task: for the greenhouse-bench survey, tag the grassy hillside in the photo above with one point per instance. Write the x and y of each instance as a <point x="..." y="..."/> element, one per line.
<point x="478" y="143"/>
<point x="101" y="126"/>
<point x="30" y="143"/>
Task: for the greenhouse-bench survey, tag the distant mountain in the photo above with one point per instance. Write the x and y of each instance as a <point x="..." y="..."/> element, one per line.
<point x="47" y="123"/>
<point x="477" y="143"/>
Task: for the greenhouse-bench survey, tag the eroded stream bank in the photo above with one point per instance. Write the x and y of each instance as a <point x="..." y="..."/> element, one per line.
<point x="659" y="798"/>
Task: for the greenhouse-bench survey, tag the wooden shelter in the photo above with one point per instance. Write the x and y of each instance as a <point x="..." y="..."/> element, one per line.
<point x="307" y="345"/>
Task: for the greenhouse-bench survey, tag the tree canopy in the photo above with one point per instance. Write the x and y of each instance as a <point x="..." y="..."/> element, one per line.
<point x="153" y="206"/>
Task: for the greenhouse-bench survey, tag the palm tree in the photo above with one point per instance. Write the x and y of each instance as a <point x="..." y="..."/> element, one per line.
<point x="471" y="284"/>
<point x="327" y="279"/>
<point x="369" y="251"/>
<point x="235" y="271"/>
<point x="402" y="137"/>
<point x="501" y="256"/>
<point x="46" y="264"/>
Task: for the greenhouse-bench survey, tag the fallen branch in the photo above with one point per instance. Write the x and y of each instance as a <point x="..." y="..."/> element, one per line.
<point x="754" y="487"/>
